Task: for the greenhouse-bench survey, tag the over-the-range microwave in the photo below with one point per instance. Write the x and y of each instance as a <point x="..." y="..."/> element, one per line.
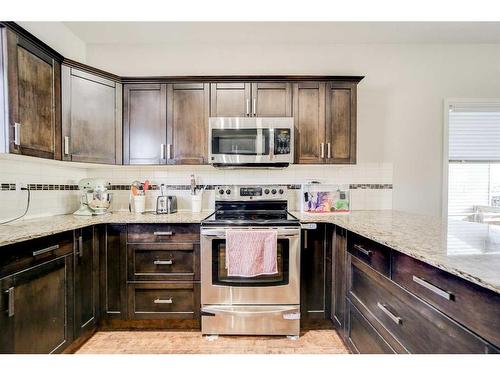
<point x="235" y="142"/>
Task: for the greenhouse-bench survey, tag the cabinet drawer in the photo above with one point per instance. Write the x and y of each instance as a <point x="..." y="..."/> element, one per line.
<point x="166" y="261"/>
<point x="19" y="256"/>
<point x="370" y="252"/>
<point x="475" y="307"/>
<point x="163" y="233"/>
<point x="416" y="325"/>
<point x="164" y="301"/>
<point x="363" y="338"/>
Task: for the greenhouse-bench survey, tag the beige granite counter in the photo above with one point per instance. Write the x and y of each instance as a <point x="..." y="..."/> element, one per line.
<point x="469" y="250"/>
<point x="28" y="229"/>
<point x="466" y="249"/>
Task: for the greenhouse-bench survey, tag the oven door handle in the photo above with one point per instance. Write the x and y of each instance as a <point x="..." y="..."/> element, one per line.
<point x="221" y="233"/>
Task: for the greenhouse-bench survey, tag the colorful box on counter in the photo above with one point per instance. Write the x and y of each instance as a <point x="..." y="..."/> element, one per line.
<point x="325" y="198"/>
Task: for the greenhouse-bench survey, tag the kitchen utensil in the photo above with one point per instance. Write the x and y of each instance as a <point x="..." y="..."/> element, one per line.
<point x="135" y="191"/>
<point x="146" y="186"/>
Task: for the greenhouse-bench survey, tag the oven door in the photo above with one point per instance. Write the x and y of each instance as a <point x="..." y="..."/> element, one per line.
<point x="219" y="288"/>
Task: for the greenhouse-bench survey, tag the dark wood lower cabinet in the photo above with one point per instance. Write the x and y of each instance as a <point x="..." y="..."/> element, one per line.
<point x="37" y="308"/>
<point x="113" y="273"/>
<point x="86" y="282"/>
<point x="313" y="274"/>
<point x="339" y="279"/>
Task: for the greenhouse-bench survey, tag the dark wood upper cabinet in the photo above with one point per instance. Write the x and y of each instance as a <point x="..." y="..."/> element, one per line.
<point x="257" y="99"/>
<point x="34" y="98"/>
<point x="144" y="123"/>
<point x="272" y="99"/>
<point x="91" y="117"/>
<point x="86" y="281"/>
<point x="230" y="99"/>
<point x="309" y="117"/>
<point x="341" y="123"/>
<point x="187" y="123"/>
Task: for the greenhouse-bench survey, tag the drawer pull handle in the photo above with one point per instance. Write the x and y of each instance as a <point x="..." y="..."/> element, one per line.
<point x="158" y="300"/>
<point x="361" y="249"/>
<point x="10" y="303"/>
<point x="163" y="233"/>
<point x="427" y="285"/>
<point x="394" y="318"/>
<point x="46" y="250"/>
<point x="168" y="262"/>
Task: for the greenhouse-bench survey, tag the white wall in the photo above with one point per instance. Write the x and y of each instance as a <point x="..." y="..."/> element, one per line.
<point x="59" y="37"/>
<point x="400" y="102"/>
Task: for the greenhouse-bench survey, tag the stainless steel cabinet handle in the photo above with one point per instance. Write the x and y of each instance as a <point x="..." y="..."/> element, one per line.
<point x="361" y="249"/>
<point x="329" y="148"/>
<point x="158" y="300"/>
<point x="46" y="250"/>
<point x="394" y="318"/>
<point x="66" y="145"/>
<point x="80" y="246"/>
<point x="322" y="150"/>
<point x="170" y="261"/>
<point x="248" y="107"/>
<point x="427" y="285"/>
<point x="163" y="233"/>
<point x="10" y="302"/>
<point x="17" y="134"/>
<point x="162" y="151"/>
<point x="168" y="150"/>
<point x="254" y="106"/>
<point x="305" y="239"/>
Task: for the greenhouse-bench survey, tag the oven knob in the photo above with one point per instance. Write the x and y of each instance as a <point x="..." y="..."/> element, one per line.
<point x="280" y="191"/>
<point x="221" y="191"/>
<point x="228" y="191"/>
<point x="266" y="191"/>
<point x="273" y="191"/>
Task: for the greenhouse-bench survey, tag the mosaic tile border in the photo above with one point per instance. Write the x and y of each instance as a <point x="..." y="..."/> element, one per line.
<point x="65" y="187"/>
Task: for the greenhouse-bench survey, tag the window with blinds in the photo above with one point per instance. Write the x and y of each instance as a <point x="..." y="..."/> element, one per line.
<point x="474" y="157"/>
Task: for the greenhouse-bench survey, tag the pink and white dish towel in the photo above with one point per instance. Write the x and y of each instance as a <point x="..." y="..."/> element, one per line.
<point x="251" y="253"/>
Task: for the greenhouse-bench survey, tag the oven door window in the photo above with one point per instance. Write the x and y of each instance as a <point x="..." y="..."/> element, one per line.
<point x="240" y="141"/>
<point x="219" y="271"/>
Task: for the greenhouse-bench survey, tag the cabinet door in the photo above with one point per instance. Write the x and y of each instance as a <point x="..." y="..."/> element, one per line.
<point x="341" y="123"/>
<point x="145" y="123"/>
<point x="113" y="272"/>
<point x="37" y="309"/>
<point x="187" y="123"/>
<point x="34" y="99"/>
<point x="309" y="117"/>
<point x="312" y="263"/>
<point x="271" y="99"/>
<point x="231" y="99"/>
<point x="86" y="281"/>
<point x="339" y="279"/>
<point x="91" y="107"/>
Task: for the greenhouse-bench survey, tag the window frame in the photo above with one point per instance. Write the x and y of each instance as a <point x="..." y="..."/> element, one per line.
<point x="446" y="117"/>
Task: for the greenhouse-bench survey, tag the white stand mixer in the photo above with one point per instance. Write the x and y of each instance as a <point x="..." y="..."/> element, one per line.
<point x="95" y="199"/>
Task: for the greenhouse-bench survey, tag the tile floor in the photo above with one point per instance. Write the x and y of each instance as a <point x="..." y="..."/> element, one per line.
<point x="322" y="341"/>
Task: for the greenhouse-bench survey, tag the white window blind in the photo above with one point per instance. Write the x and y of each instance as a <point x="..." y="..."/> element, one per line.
<point x="474" y="132"/>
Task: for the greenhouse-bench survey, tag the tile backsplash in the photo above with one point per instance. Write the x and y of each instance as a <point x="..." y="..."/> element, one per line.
<point x="54" y="183"/>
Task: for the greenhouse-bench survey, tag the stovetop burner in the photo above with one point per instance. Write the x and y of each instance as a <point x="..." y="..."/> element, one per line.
<point x="251" y="206"/>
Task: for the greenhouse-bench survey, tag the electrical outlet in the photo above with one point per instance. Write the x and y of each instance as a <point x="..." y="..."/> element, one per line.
<point x="21" y="185"/>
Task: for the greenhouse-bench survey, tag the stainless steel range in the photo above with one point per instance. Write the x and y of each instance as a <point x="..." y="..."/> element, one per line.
<point x="260" y="305"/>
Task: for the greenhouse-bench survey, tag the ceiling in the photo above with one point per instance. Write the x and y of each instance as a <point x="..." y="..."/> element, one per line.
<point x="285" y="32"/>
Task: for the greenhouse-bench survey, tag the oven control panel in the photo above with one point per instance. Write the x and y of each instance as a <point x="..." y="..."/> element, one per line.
<point x="250" y="192"/>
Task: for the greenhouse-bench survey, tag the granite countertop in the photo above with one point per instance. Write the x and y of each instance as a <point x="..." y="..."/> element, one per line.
<point x="466" y="249"/>
<point x="28" y="229"/>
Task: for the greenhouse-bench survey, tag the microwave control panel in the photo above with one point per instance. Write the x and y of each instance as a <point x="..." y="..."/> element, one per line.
<point x="282" y="141"/>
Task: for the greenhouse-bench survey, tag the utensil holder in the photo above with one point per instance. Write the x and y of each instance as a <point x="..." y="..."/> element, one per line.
<point x="139" y="204"/>
<point x="196" y="202"/>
